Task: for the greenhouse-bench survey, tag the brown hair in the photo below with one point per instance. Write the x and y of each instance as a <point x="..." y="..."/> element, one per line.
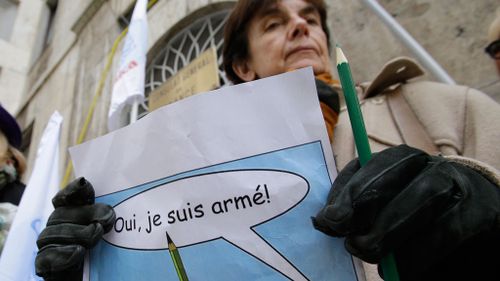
<point x="236" y="31"/>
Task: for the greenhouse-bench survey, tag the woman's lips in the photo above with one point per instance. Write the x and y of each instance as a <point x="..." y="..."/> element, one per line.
<point x="299" y="50"/>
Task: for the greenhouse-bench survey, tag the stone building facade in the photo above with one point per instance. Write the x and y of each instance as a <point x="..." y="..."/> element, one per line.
<point x="55" y="54"/>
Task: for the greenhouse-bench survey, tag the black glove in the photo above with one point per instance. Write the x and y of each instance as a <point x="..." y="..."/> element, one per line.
<point x="75" y="225"/>
<point x="439" y="218"/>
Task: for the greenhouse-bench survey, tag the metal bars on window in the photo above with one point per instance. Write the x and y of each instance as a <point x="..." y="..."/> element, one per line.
<point x="184" y="47"/>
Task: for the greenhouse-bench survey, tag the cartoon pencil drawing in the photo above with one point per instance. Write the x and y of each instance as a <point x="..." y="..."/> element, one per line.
<point x="176" y="258"/>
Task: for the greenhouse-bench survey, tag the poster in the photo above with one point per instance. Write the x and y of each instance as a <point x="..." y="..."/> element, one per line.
<point x="218" y="186"/>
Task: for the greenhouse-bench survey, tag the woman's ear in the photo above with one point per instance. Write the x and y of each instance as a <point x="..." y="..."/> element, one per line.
<point x="244" y="70"/>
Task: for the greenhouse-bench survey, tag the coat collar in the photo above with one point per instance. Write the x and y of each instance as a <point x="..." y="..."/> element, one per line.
<point x="393" y="73"/>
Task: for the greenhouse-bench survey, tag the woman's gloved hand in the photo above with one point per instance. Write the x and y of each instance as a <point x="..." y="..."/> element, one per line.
<point x="76" y="225"/>
<point x="440" y="218"/>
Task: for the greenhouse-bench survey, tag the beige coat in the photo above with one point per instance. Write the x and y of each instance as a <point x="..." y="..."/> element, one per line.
<point x="457" y="120"/>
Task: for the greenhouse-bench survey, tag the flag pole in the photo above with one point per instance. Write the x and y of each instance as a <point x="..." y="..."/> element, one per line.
<point x="134" y="111"/>
<point x="418" y="51"/>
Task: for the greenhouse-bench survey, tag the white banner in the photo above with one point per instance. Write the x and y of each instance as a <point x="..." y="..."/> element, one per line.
<point x="18" y="257"/>
<point x="129" y="80"/>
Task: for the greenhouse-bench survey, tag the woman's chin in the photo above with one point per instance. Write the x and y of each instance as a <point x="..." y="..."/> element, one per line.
<point x="318" y="68"/>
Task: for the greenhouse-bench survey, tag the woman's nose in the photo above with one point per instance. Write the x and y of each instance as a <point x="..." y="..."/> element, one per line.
<point x="299" y="27"/>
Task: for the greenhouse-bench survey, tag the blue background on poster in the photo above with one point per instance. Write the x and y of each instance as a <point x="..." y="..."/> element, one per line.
<point x="314" y="254"/>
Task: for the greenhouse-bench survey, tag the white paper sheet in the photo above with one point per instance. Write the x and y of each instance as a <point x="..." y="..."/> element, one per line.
<point x="232" y="176"/>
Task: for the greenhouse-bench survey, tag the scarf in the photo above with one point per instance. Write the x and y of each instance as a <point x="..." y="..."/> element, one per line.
<point x="329" y="107"/>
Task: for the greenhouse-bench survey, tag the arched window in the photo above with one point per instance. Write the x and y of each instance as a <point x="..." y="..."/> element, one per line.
<point x="185" y="46"/>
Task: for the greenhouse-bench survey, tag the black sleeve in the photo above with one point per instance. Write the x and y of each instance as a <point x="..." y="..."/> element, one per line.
<point x="12" y="193"/>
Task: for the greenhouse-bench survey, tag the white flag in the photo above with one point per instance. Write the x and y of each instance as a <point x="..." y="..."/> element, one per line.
<point x="17" y="262"/>
<point x="129" y="81"/>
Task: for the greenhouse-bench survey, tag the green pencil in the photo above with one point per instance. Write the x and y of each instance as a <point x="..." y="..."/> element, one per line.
<point x="388" y="263"/>
<point x="176" y="258"/>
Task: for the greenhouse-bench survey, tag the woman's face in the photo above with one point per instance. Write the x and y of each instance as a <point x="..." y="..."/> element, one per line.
<point x="285" y="36"/>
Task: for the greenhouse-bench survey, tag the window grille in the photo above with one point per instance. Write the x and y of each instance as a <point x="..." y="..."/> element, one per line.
<point x="184" y="47"/>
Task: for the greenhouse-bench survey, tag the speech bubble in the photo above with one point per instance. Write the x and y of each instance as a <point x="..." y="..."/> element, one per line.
<point x="221" y="205"/>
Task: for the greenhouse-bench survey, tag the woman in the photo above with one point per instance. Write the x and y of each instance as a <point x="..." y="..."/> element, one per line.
<point x="421" y="207"/>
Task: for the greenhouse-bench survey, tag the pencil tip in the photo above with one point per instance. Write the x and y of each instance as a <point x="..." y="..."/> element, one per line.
<point x="169" y="240"/>
<point x="340" y="56"/>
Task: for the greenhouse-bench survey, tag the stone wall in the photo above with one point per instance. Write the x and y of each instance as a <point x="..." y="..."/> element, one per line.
<point x="454" y="33"/>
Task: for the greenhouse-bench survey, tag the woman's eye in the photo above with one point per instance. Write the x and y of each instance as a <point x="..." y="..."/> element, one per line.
<point x="312" y="20"/>
<point x="272" y="25"/>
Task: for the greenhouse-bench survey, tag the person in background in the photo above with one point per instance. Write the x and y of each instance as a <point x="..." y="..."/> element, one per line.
<point x="12" y="167"/>
<point x="438" y="215"/>
<point x="493" y="48"/>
